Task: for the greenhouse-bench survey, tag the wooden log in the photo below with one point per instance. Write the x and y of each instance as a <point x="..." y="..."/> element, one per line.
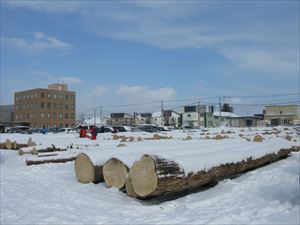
<point x="8" y="144"/>
<point x="30" y="143"/>
<point x="153" y="176"/>
<point x="47" y="155"/>
<point x="114" y="173"/>
<point x="86" y="171"/>
<point x="37" y="162"/>
<point x="35" y="151"/>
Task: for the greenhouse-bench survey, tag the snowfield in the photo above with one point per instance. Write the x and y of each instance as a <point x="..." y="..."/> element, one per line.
<point x="51" y="194"/>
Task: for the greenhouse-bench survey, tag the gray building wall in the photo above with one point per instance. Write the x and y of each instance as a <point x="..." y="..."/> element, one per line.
<point x="7" y="114"/>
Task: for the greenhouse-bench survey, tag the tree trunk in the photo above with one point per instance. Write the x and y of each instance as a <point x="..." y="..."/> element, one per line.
<point x="86" y="171"/>
<point x="114" y="173"/>
<point x="37" y="162"/>
<point x="153" y="176"/>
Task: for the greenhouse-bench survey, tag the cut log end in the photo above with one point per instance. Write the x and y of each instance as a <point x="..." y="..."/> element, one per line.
<point x="142" y="178"/>
<point x="84" y="169"/>
<point x="114" y="173"/>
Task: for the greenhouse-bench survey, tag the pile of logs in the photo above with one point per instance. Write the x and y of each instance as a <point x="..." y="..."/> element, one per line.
<point x="154" y="175"/>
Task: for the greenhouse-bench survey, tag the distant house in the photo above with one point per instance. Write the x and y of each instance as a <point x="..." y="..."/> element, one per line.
<point x="169" y="118"/>
<point x="245" y="121"/>
<point x="194" y="116"/>
<point x="224" y="119"/>
<point x="124" y="119"/>
<point x="145" y="118"/>
<point x="281" y="114"/>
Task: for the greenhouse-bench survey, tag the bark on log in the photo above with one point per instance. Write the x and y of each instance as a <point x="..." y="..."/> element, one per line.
<point x="153" y="176"/>
<point x="37" y="162"/>
<point x="114" y="173"/>
<point x="86" y="171"/>
<point x="47" y="155"/>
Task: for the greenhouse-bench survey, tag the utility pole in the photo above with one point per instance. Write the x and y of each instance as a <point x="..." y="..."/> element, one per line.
<point x="198" y="110"/>
<point x="95" y="118"/>
<point x="101" y="115"/>
<point x="220" y="105"/>
<point x="162" y="112"/>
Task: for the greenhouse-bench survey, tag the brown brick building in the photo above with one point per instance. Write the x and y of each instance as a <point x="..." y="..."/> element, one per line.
<point x="52" y="107"/>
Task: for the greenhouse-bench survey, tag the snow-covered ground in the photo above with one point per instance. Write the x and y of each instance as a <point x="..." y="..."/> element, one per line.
<point x="50" y="193"/>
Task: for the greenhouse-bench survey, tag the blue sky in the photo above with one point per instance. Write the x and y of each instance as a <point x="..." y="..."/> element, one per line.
<point x="127" y="52"/>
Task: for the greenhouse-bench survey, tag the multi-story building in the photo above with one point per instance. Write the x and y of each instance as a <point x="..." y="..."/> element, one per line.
<point x="281" y="114"/>
<point x="170" y="118"/>
<point x="51" y="107"/>
<point x="197" y="116"/>
<point x="124" y="119"/>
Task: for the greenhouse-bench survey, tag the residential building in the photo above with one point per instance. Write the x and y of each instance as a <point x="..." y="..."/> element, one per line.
<point x="54" y="106"/>
<point x="7" y="115"/>
<point x="198" y="116"/>
<point x="124" y="119"/>
<point x="281" y="114"/>
<point x="145" y="118"/>
<point x="224" y="119"/>
<point x="169" y="118"/>
<point x="245" y="121"/>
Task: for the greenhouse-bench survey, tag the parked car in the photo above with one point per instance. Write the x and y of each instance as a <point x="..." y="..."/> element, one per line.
<point x="148" y="128"/>
<point x="104" y="129"/>
<point x="19" y="129"/>
<point x="119" y="129"/>
<point x="66" y="130"/>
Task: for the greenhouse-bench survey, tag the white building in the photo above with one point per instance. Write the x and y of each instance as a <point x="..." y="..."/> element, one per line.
<point x="170" y="118"/>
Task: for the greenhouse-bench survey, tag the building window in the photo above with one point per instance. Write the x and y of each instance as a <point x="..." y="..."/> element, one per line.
<point x="42" y="115"/>
<point x="54" y="115"/>
<point x="67" y="97"/>
<point x="16" y="117"/>
<point x="60" y="116"/>
<point x="72" y="116"/>
<point x="72" y="97"/>
<point x="72" y="106"/>
<point x="54" y="125"/>
<point x="66" y="107"/>
<point x="188" y="115"/>
<point x="27" y="106"/>
<point x="67" y="125"/>
<point x="60" y="125"/>
<point x="54" y="105"/>
<point x="49" y="95"/>
<point x="42" y="95"/>
<point x="48" y="105"/>
<point x="54" y="96"/>
<point x="49" y="125"/>
<point x="66" y="116"/>
<point x="48" y="115"/>
<point x="42" y="105"/>
<point x="61" y="106"/>
<point x="36" y="95"/>
<point x="60" y="96"/>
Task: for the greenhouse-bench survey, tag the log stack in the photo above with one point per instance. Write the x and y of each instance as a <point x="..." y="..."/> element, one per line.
<point x="153" y="175"/>
<point x="114" y="173"/>
<point x="86" y="171"/>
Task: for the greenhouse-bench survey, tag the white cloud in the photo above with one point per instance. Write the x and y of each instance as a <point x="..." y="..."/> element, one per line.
<point x="70" y="80"/>
<point x="275" y="61"/>
<point x="188" y="25"/>
<point x="145" y="94"/>
<point x="99" y="91"/>
<point x="49" y="6"/>
<point x="40" y="42"/>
